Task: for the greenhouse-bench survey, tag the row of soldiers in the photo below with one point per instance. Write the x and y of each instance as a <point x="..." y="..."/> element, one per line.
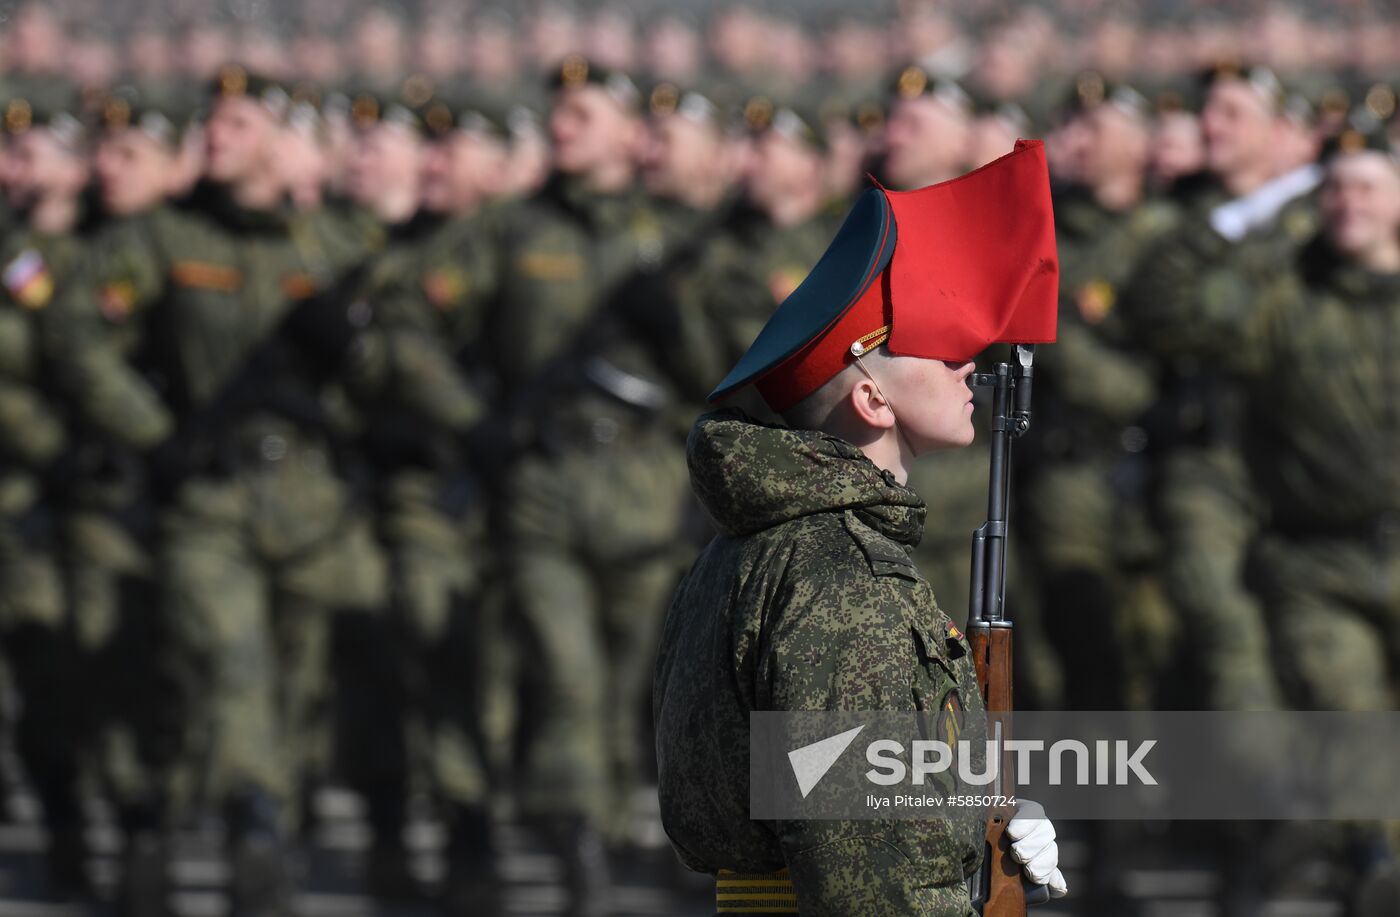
<point x="350" y="445"/>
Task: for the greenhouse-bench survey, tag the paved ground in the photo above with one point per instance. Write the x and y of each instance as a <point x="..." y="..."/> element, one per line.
<point x="1159" y="875"/>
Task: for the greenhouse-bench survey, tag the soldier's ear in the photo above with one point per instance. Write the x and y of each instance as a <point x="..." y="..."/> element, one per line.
<point x="870" y="404"/>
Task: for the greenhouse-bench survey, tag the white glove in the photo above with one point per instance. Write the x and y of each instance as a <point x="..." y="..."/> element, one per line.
<point x="1033" y="846"/>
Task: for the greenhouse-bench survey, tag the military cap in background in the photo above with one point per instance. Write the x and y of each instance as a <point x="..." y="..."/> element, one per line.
<point x="127" y="108"/>
<point x="1380" y="101"/>
<point x="233" y="81"/>
<point x="441" y="119"/>
<point x="667" y="98"/>
<point x="409" y="109"/>
<point x="61" y="122"/>
<point x="1010" y="113"/>
<point x="1364" y="133"/>
<point x="577" y="70"/>
<point x="915" y="81"/>
<point x="1090" y="88"/>
<point x="1261" y="79"/>
<point x="306" y="112"/>
<point x="1297" y="107"/>
<point x="762" y="114"/>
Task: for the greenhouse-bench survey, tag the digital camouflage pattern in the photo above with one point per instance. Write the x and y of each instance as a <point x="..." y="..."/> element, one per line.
<point x="806" y="600"/>
<point x="1086" y="503"/>
<point x="596" y="496"/>
<point x="558" y="255"/>
<point x="1208" y="510"/>
<point x="266" y="521"/>
<point x="1317" y="348"/>
<point x="407" y="694"/>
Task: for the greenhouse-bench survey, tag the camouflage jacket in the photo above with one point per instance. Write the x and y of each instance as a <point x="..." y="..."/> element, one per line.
<point x="1194" y="272"/>
<point x="1094" y="382"/>
<point x="559" y="256"/>
<point x="186" y="292"/>
<point x="405" y="371"/>
<point x="31" y="417"/>
<point x="807" y="600"/>
<point x="1319" y="348"/>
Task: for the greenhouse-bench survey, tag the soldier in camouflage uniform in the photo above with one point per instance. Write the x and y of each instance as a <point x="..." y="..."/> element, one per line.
<point x="809" y="599"/>
<point x="585" y="577"/>
<point x="1316" y="347"/>
<point x="109" y="523"/>
<point x="411" y="696"/>
<point x="1086" y="507"/>
<point x="1242" y="218"/>
<point x="628" y="485"/>
<point x="261" y="535"/>
<point x="42" y="640"/>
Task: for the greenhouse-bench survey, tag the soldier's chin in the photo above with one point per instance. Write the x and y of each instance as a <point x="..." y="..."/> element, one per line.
<point x="960" y="439"/>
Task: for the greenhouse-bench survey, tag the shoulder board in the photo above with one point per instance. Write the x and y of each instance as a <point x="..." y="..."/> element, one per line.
<point x="550" y="265"/>
<point x="298" y="286"/>
<point x="885" y="556"/>
<point x="206" y="276"/>
<point x="1155" y="216"/>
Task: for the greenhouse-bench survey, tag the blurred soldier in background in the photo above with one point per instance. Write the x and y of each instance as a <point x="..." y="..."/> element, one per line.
<point x="930" y="123"/>
<point x="1087" y="504"/>
<point x="582" y="592"/>
<point x="1178" y="151"/>
<point x="1335" y="543"/>
<point x="305" y="154"/>
<point x="384" y="168"/>
<point x="995" y="132"/>
<point x="431" y="501"/>
<point x="409" y="686"/>
<point x="262" y="537"/>
<point x="764" y="247"/>
<point x="43" y="642"/>
<point x="1312" y="344"/>
<point x="113" y="591"/>
<point x="1314" y="338"/>
<point x="1243" y="216"/>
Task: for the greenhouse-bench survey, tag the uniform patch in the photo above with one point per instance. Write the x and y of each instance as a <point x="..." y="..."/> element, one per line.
<point x="951" y="717"/>
<point x="298" y="286"/>
<point x="1095" y="300"/>
<point x="445" y="288"/>
<point x="957" y="648"/>
<point x="784" y="280"/>
<point x="550" y="265"/>
<point x="28" y="280"/>
<point x="203" y="275"/>
<point x="114" y="300"/>
<point x="1299" y="224"/>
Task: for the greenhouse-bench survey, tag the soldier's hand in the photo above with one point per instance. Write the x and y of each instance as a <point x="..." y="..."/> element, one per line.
<point x="1033" y="846"/>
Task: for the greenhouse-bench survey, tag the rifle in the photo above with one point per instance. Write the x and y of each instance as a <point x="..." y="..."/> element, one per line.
<point x="997" y="889"/>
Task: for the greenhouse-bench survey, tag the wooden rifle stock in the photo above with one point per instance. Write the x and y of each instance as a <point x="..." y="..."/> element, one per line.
<point x="998" y="890"/>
